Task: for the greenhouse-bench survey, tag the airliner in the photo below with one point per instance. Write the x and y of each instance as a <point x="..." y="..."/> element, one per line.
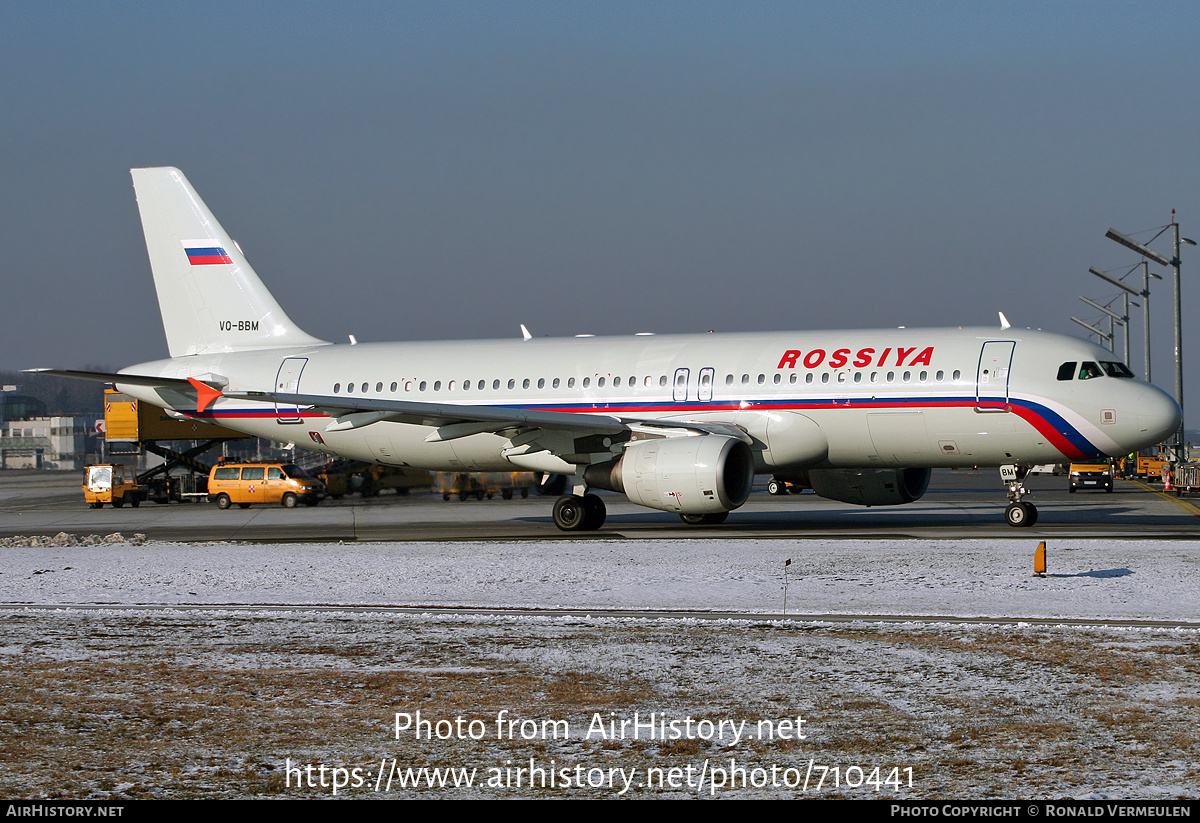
<point x="677" y="423"/>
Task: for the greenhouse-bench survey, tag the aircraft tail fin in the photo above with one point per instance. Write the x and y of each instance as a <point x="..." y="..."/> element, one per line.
<point x="210" y="298"/>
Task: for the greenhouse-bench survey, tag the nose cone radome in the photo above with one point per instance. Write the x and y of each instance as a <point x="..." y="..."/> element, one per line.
<point x="1158" y="416"/>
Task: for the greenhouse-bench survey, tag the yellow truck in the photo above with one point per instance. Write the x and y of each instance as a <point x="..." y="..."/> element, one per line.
<point x="112" y="483"/>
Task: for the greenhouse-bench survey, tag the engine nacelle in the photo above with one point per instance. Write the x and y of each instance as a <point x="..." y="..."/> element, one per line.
<point x="700" y="474"/>
<point x="870" y="487"/>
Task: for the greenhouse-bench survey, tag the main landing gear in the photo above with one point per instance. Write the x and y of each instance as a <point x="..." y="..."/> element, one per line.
<point x="579" y="513"/>
<point x="1017" y="514"/>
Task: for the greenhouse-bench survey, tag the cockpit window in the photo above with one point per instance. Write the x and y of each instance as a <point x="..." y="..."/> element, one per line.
<point x="1088" y="370"/>
<point x="1066" y="371"/>
<point x="1116" y="369"/>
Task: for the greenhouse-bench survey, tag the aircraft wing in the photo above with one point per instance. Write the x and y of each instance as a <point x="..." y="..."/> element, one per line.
<point x="452" y="421"/>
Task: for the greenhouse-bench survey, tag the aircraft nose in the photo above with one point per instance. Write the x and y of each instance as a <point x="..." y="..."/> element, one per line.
<point x="1158" y="415"/>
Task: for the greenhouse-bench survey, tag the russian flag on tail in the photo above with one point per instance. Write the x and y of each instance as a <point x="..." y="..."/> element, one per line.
<point x="205" y="253"/>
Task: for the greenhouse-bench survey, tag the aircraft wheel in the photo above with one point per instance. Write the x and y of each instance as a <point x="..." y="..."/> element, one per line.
<point x="289" y="501"/>
<point x="569" y="513"/>
<point x="1021" y="514"/>
<point x="595" y="512"/>
<point x="773" y="487"/>
<point x="714" y="519"/>
<point x="223" y="501"/>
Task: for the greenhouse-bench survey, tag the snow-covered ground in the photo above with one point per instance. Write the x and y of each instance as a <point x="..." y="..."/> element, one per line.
<point x="1120" y="580"/>
<point x="213" y="702"/>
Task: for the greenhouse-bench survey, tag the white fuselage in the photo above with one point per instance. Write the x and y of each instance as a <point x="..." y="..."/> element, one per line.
<point x="818" y="399"/>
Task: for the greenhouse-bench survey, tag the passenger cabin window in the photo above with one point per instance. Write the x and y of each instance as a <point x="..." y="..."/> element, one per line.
<point x="1067" y="370"/>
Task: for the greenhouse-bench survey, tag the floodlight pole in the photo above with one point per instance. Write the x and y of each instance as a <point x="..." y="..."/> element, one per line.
<point x="1125" y="323"/>
<point x="1146" y="316"/>
<point x="1128" y="290"/>
<point x="1173" y="263"/>
<point x="1179" y="455"/>
<point x="1113" y="318"/>
<point x="1098" y="332"/>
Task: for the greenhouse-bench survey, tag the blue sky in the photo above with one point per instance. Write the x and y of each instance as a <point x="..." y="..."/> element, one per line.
<point x="443" y="170"/>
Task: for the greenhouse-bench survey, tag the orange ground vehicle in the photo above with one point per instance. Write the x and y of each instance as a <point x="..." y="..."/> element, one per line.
<point x="245" y="484"/>
<point x="111" y="483"/>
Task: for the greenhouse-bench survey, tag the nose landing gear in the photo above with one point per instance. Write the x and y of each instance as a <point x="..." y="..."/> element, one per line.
<point x="1017" y="514"/>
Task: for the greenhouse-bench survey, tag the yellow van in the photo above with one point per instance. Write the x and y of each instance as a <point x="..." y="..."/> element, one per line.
<point x="271" y="483"/>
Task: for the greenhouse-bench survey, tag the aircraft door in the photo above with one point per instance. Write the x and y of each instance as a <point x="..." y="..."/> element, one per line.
<point x="681" y="385"/>
<point x="288" y="382"/>
<point x="705" y="390"/>
<point x="991" y="380"/>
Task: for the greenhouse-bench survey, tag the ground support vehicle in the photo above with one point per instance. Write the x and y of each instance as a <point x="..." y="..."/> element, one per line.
<point x="1091" y="476"/>
<point x="245" y="484"/>
<point x="343" y="477"/>
<point x="160" y="486"/>
<point x="485" y="484"/>
<point x="112" y="483"/>
<point x="1186" y="479"/>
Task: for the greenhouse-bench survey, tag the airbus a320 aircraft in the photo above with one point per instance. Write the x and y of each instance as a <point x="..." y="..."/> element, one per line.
<point x="679" y="423"/>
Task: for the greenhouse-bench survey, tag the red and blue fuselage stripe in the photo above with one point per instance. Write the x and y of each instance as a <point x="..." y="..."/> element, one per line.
<point x="1051" y="425"/>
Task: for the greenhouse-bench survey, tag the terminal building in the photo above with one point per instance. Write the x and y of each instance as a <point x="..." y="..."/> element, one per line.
<point x="32" y="439"/>
<point x="47" y="443"/>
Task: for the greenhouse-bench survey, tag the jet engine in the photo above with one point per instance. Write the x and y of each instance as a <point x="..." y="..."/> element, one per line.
<point x="699" y="474"/>
<point x="870" y="487"/>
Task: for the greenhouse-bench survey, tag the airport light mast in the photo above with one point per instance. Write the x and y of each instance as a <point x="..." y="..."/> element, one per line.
<point x="1113" y="318"/>
<point x="1173" y="263"/>
<point x="1145" y="295"/>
